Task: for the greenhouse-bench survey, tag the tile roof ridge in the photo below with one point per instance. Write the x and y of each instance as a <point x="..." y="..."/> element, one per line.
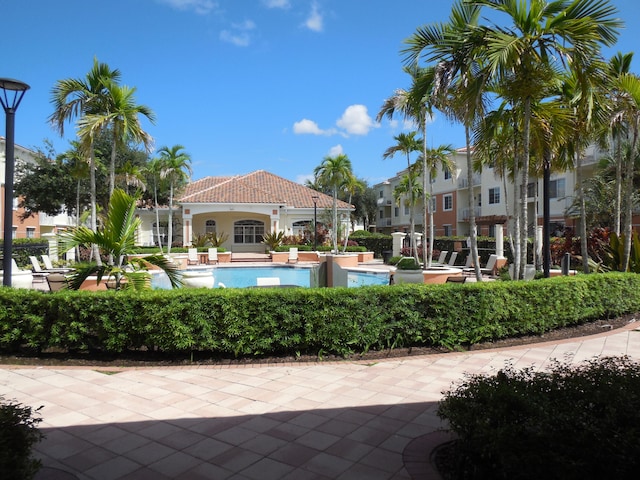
<point x="226" y="180"/>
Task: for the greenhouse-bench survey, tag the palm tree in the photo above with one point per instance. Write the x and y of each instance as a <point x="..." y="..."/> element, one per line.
<point x="410" y="189"/>
<point x="527" y="56"/>
<point x="176" y="168"/>
<point x="77" y="98"/>
<point x="351" y="185"/>
<point x="153" y="169"/>
<point x="435" y="157"/>
<point x="122" y="116"/>
<point x="334" y="172"/>
<point x="457" y="86"/>
<point x="116" y="238"/>
<point x="132" y="176"/>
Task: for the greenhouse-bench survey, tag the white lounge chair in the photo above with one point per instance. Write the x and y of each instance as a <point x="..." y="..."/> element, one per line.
<point x="48" y="266"/>
<point x="193" y="257"/>
<point x="491" y="265"/>
<point x="268" y="281"/>
<point x="443" y="257"/>
<point x="293" y="255"/>
<point x="39" y="275"/>
<point x="212" y="256"/>
<point x="452" y="259"/>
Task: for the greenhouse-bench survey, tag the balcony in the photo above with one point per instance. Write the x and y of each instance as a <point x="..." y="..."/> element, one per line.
<point x="464" y="213"/>
<point x="463" y="182"/>
<point x="383" y="201"/>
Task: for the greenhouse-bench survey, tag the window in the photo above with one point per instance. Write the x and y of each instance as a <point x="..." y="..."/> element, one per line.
<point x="31" y="232"/>
<point x="406" y="209"/>
<point x="381" y="193"/>
<point x="447" y="174"/>
<point x="248" y="231"/>
<point x="210" y="227"/>
<point x="396" y="211"/>
<point x="531" y="190"/>
<point x="14" y="232"/>
<point x="447" y="202"/>
<point x="433" y="203"/>
<point x="494" y="195"/>
<point x="302" y="227"/>
<point x="556" y="188"/>
<point x="492" y="230"/>
<point x="447" y="230"/>
<point x="381" y="214"/>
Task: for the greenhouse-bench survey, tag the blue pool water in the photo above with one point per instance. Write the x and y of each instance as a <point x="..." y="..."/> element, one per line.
<point x="242" y="277"/>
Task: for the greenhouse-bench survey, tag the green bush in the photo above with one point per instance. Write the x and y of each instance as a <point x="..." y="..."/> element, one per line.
<point x="241" y="322"/>
<point x="18" y="434"/>
<point x="408" y="263"/>
<point x="571" y="422"/>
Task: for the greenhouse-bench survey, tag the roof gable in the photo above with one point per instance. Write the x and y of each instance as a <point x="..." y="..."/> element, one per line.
<point x="255" y="187"/>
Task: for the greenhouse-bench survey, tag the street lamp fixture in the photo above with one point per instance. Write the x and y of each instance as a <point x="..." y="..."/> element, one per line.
<point x="10" y="97"/>
<point x="315" y="222"/>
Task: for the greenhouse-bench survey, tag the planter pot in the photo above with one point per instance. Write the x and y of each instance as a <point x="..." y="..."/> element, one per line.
<point x="19" y="278"/>
<point x="345" y="259"/>
<point x="440" y="274"/>
<point x="279" y="257"/>
<point x="224" y="257"/>
<point x="365" y="257"/>
<point x="408" y="276"/>
<point x="193" y="279"/>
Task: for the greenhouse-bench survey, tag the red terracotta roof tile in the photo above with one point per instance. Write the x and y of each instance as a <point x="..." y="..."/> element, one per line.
<point x="255" y="187"/>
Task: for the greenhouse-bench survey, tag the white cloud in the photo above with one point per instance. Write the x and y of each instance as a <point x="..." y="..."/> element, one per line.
<point x="309" y="127"/>
<point x="239" y="35"/>
<point x="336" y="150"/>
<point x="356" y="120"/>
<point x="302" y="179"/>
<point x="201" y="7"/>
<point x="276" y="3"/>
<point x="315" y="20"/>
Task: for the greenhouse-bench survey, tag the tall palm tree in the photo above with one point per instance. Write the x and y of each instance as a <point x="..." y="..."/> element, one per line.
<point x="410" y="189"/>
<point x="153" y="169"/>
<point x="457" y="87"/>
<point x="132" y="176"/>
<point x="407" y="143"/>
<point x="122" y="115"/>
<point x="116" y="238"/>
<point x="77" y="98"/>
<point x="543" y="38"/>
<point x="176" y="168"/>
<point x="435" y="157"/>
<point x="351" y="185"/>
<point x="334" y="172"/>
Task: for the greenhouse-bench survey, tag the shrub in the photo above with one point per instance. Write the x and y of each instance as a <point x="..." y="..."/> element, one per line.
<point x="571" y="422"/>
<point x="18" y="434"/>
<point x="408" y="263"/>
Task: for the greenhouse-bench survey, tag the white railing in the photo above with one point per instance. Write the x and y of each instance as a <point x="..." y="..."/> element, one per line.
<point x="464" y="213"/>
<point x="463" y="182"/>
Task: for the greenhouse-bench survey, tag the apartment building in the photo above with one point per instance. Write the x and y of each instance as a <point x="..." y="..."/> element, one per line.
<point x="493" y="200"/>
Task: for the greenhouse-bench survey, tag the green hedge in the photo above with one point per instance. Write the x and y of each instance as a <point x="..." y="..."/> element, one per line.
<point x="242" y="322"/>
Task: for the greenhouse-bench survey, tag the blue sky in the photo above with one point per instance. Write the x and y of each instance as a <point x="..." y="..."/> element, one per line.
<point x="242" y="84"/>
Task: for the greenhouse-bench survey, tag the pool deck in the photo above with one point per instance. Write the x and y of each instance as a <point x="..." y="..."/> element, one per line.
<point x="328" y="420"/>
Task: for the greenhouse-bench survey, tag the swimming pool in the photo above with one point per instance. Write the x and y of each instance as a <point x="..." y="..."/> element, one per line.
<point x="245" y="276"/>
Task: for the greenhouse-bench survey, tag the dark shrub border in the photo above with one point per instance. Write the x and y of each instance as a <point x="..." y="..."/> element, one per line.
<point x="340" y="321"/>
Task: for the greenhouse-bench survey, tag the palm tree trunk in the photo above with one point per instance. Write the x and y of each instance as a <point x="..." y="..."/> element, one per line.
<point x="427" y="253"/>
<point x="523" y="192"/>
<point x="432" y="233"/>
<point x="618" y="205"/>
<point x="155" y="199"/>
<point x="584" y="247"/>
<point x="94" y="210"/>
<point x="473" y="234"/>
<point x="628" y="195"/>
<point x="112" y="167"/>
<point x="335" y="220"/>
<point x="170" y="225"/>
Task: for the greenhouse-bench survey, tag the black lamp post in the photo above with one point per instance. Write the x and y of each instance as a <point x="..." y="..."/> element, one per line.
<point x="10" y="97"/>
<point x="315" y="222"/>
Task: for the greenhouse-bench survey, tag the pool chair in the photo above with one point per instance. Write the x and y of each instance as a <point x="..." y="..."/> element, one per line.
<point x="488" y="269"/>
<point x="268" y="281"/>
<point x="39" y="275"/>
<point x="443" y="257"/>
<point x="48" y="266"/>
<point x="212" y="256"/>
<point x="57" y="282"/>
<point x="452" y="259"/>
<point x="193" y="257"/>
<point x="293" y="255"/>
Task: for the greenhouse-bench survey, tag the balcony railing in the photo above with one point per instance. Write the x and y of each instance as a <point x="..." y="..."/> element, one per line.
<point x="463" y="182"/>
<point x="464" y="213"/>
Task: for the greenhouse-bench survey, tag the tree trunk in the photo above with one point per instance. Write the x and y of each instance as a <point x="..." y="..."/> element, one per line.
<point x="170" y="216"/>
<point x="584" y="247"/>
<point x="94" y="211"/>
<point x="523" y="191"/>
<point x="473" y="234"/>
<point x="628" y="195"/>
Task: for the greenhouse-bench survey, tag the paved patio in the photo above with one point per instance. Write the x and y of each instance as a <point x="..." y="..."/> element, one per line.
<point x="338" y="420"/>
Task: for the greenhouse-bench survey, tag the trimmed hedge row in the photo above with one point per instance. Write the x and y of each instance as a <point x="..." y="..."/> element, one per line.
<point x="242" y="322"/>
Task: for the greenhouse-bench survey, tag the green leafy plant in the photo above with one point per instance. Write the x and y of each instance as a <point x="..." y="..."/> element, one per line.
<point x="116" y="240"/>
<point x="614" y="253"/>
<point x="579" y="421"/>
<point x="408" y="263"/>
<point x="273" y="239"/>
<point x="18" y="433"/>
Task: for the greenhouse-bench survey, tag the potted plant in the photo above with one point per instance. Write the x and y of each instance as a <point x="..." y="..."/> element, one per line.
<point x="116" y="240"/>
<point x="408" y="270"/>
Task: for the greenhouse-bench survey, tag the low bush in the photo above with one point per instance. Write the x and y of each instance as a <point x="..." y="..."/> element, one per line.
<point x="571" y="422"/>
<point x="18" y="434"/>
<point x="339" y="321"/>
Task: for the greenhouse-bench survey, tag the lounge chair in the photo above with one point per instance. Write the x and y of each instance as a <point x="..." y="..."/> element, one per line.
<point x="193" y="257"/>
<point x="48" y="266"/>
<point x="443" y="257"/>
<point x="212" y="256"/>
<point x="293" y="255"/>
<point x="39" y="275"/>
<point x="268" y="281"/>
<point x="489" y="268"/>
<point x="456" y="279"/>
<point x="452" y="259"/>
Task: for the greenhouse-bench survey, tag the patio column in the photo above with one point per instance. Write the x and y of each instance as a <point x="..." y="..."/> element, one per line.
<point x="397" y="242"/>
<point x="187" y="227"/>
